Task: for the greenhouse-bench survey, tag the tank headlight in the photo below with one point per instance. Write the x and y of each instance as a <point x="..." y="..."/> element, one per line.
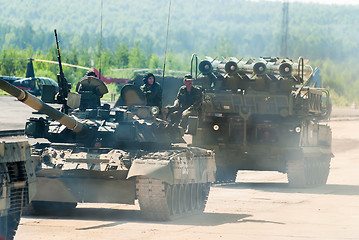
<point x="155" y="111"/>
<point x="215" y="127"/>
<point x="297" y="129"/>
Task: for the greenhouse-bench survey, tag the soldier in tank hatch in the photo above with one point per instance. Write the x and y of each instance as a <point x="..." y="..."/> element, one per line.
<point x="91" y="89"/>
<point x="152" y="91"/>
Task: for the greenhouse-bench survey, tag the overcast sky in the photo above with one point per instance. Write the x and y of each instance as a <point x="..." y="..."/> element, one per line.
<point x="352" y="2"/>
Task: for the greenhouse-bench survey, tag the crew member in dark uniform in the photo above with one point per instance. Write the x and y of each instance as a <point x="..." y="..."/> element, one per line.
<point x="152" y="90"/>
<point x="188" y="102"/>
<point x="91" y="89"/>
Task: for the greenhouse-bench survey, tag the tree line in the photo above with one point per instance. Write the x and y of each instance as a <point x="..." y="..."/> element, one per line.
<point x="134" y="36"/>
<point x="340" y="78"/>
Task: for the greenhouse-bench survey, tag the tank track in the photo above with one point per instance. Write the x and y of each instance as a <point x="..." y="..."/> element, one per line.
<point x="8" y="225"/>
<point x="160" y="201"/>
<point x="308" y="171"/>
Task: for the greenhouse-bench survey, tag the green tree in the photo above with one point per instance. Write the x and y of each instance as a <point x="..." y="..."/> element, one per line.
<point x="137" y="57"/>
<point x="122" y="56"/>
<point x="224" y="47"/>
<point x="154" y="62"/>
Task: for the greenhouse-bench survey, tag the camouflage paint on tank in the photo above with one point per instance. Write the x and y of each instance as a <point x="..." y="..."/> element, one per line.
<point x="107" y="154"/>
<point x="18" y="187"/>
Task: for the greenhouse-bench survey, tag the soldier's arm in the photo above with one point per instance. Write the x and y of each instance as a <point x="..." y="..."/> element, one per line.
<point x="178" y="100"/>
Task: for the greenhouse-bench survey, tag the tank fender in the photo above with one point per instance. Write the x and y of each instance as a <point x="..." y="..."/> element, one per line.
<point x="159" y="169"/>
<point x="177" y="166"/>
<point x="204" y="169"/>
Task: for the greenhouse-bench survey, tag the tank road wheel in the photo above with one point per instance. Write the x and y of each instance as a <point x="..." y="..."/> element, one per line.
<point x="308" y="171"/>
<point x="175" y="200"/>
<point x="194" y="196"/>
<point x="168" y="193"/>
<point x="199" y="196"/>
<point x="187" y="198"/>
<point x="202" y="191"/>
<point x="161" y="201"/>
<point x="181" y="199"/>
<point x="8" y="225"/>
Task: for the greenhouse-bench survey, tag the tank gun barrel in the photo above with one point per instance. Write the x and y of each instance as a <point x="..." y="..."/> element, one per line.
<point x="39" y="105"/>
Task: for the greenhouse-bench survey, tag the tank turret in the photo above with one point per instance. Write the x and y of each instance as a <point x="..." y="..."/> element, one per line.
<point x="130" y="126"/>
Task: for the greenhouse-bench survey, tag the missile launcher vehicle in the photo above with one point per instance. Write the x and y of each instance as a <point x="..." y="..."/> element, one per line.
<point x="18" y="185"/>
<point x="264" y="115"/>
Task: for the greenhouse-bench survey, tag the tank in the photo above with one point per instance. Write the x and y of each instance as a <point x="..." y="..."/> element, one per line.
<point x="263" y="114"/>
<point x="18" y="185"/>
<point x="99" y="154"/>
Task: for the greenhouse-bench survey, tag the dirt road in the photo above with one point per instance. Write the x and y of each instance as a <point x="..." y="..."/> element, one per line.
<point x="258" y="206"/>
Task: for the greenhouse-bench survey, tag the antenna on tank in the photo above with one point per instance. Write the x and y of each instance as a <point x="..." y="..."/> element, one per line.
<point x="100" y="69"/>
<point x="164" y="61"/>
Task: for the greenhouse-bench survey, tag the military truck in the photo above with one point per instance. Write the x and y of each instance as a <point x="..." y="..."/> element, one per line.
<point x="18" y="184"/>
<point x="263" y="114"/>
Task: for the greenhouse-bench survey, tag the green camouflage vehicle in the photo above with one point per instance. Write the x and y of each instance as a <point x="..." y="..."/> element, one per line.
<point x="100" y="154"/>
<point x="18" y="184"/>
<point x="264" y="114"/>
